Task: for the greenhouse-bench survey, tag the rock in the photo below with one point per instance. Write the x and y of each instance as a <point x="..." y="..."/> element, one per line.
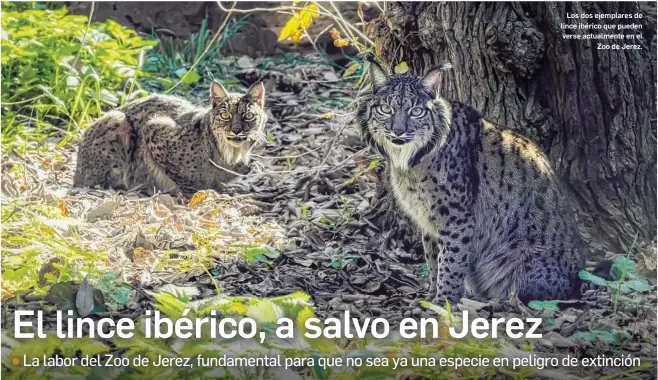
<point x="472" y="304"/>
<point x="102" y="211"/>
<point x="245" y="62"/>
<point x="331" y="76"/>
<point x="545" y="343"/>
<point x="558" y="340"/>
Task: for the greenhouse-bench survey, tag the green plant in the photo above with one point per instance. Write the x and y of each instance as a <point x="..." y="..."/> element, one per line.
<point x="60" y="70"/>
<point x="172" y="301"/>
<point x="257" y="252"/>
<point x="548" y="309"/>
<point x="600" y="335"/>
<point x="625" y="279"/>
<point x="19" y="6"/>
<point x="175" y="57"/>
<point x="35" y="255"/>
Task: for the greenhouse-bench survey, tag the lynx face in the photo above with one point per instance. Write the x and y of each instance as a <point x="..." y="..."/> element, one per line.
<point x="238" y="121"/>
<point x="403" y="117"/>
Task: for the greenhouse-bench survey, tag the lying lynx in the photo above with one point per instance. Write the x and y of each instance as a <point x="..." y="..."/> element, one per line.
<point x="164" y="143"/>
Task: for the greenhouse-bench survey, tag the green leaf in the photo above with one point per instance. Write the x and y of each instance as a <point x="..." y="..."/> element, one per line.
<point x="444" y="313"/>
<point x="336" y="264"/>
<point x="303" y="315"/>
<point x="401" y="68"/>
<point x="622" y="265"/>
<point x="596" y="280"/>
<point x="34" y="348"/>
<point x="261" y="253"/>
<point x="113" y="285"/>
<point x="424" y="271"/>
<point x="296" y="297"/>
<point x="317" y="369"/>
<point x="86" y="346"/>
<point x="543" y="305"/>
<point x="264" y="311"/>
<point x="187" y="77"/>
<point x="63" y="296"/>
<point x="260" y="259"/>
<point x="605" y="335"/>
<point x="638" y="285"/>
<point x="584" y="335"/>
<point x="351" y="69"/>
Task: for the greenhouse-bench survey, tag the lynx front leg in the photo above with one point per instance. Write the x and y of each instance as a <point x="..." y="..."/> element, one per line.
<point x="155" y="134"/>
<point x="431" y="258"/>
<point x="453" y="248"/>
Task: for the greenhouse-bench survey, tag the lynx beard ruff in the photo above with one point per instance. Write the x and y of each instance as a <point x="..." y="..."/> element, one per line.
<point x="235" y="151"/>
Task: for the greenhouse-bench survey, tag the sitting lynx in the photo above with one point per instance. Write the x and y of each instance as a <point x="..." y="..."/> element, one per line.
<point x="165" y="143"/>
<point x="493" y="214"/>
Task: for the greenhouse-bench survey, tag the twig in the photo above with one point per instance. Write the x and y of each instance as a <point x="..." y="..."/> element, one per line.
<point x="321" y="33"/>
<point x="331" y="147"/>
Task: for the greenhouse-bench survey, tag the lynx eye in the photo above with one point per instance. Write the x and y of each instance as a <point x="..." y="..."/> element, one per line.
<point x="417" y="112"/>
<point x="249" y="116"/>
<point x="225" y="115"/>
<point x="385" y="109"/>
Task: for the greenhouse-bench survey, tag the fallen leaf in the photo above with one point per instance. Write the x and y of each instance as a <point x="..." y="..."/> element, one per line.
<point x="6" y="293"/>
<point x="102" y="211"/>
<point x="142" y="256"/>
<point x="198" y="197"/>
<point x="62" y="206"/>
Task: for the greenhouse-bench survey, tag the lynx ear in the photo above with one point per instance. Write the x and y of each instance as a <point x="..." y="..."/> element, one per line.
<point x="218" y="93"/>
<point x="432" y="80"/>
<point x="256" y="93"/>
<point x="378" y="76"/>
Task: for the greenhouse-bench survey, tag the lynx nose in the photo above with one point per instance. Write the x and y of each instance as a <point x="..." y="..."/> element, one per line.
<point x="236" y="130"/>
<point x="398" y="131"/>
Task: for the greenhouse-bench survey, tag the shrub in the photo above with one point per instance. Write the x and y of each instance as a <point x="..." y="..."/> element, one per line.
<point x="59" y="71"/>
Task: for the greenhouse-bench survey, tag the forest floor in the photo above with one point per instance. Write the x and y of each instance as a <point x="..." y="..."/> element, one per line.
<point x="296" y="223"/>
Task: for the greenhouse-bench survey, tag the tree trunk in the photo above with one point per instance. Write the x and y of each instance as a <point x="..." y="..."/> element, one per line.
<point x="592" y="110"/>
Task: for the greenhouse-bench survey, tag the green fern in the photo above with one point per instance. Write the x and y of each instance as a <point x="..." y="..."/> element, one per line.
<point x="625" y="279"/>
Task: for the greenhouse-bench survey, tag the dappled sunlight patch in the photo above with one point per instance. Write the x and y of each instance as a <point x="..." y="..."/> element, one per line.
<point x="149" y="240"/>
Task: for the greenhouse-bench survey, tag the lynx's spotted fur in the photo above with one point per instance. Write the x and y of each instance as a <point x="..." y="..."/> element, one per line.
<point x="491" y="211"/>
<point x="164" y="143"/>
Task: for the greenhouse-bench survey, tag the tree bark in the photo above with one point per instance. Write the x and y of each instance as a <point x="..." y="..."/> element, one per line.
<point x="593" y="111"/>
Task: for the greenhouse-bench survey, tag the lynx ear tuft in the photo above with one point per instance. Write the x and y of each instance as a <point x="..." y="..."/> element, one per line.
<point x="218" y="93"/>
<point x="432" y="80"/>
<point x="378" y="76"/>
<point x="256" y="93"/>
